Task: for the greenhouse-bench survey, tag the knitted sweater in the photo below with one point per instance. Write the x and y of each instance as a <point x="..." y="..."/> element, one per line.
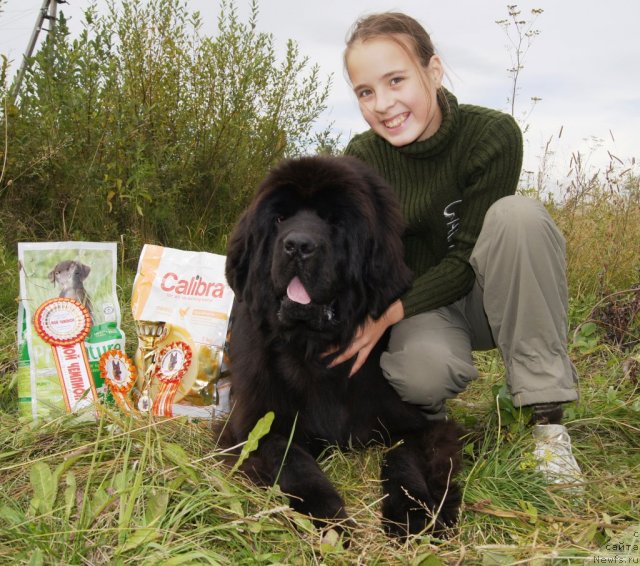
<point x="446" y="185"/>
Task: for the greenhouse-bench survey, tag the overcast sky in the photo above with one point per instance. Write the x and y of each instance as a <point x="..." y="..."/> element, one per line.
<point x="584" y="65"/>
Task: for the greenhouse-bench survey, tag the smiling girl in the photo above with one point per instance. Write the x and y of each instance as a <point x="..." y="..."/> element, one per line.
<point x="489" y="266"/>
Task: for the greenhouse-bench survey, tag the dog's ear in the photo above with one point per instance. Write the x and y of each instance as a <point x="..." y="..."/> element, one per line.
<point x="248" y="257"/>
<point x="239" y="255"/>
<point x="84" y="271"/>
<point x="387" y="277"/>
<point x="242" y="252"/>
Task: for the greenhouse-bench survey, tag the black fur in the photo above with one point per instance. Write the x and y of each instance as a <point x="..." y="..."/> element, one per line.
<point x="335" y="225"/>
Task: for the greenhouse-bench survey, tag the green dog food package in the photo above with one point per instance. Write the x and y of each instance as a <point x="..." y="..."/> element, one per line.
<point x="68" y="317"/>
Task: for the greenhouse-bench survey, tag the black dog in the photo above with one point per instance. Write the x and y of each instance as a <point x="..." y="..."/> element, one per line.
<point x="318" y="250"/>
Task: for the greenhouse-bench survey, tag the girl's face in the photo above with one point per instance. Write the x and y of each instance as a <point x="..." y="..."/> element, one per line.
<point x="397" y="96"/>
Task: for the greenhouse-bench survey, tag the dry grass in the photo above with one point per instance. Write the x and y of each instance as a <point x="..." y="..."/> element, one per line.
<point x="126" y="492"/>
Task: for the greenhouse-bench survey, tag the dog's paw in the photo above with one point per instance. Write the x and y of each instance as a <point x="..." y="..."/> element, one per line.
<point x="411" y="515"/>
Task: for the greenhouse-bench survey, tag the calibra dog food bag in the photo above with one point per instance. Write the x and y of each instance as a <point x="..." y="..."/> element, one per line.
<point x="67" y="318"/>
<point x="181" y="303"/>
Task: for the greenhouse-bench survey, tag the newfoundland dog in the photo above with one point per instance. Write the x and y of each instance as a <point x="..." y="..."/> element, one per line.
<point x="316" y="252"/>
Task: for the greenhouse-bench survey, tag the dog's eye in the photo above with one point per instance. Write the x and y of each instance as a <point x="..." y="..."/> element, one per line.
<point x="280" y="218"/>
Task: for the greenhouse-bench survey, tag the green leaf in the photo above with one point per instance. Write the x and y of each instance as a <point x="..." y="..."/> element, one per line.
<point x="262" y="428"/>
<point x="37" y="558"/>
<point x="141" y="536"/>
<point x="101" y="499"/>
<point x="126" y="508"/>
<point x="529" y="509"/>
<point x="429" y="559"/>
<point x="8" y="454"/>
<point x="495" y="557"/>
<point x="122" y="480"/>
<point x="176" y="483"/>
<point x="44" y="487"/>
<point x="11" y="516"/>
<point x="69" y="494"/>
<point x="588" y="329"/>
<point x="34" y="507"/>
<point x="178" y="456"/>
<point x="254" y="527"/>
<point x="587" y="535"/>
<point x="156" y="507"/>
<point x="193" y="558"/>
<point x="63" y="467"/>
<point x="110" y="196"/>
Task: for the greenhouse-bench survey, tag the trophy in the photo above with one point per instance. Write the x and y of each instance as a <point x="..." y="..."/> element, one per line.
<point x="149" y="334"/>
<point x="209" y="369"/>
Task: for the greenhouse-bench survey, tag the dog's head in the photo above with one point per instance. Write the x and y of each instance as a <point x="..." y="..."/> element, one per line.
<point x="173" y="360"/>
<point x="319" y="248"/>
<point x="69" y="274"/>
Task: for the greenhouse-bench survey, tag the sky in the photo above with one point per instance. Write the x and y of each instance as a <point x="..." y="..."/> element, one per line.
<point x="583" y="66"/>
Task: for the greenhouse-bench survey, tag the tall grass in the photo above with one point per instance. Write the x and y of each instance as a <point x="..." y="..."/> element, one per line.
<point x="600" y="217"/>
<point x="124" y="491"/>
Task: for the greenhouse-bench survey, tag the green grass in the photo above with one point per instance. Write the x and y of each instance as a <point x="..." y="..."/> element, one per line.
<point x="125" y="491"/>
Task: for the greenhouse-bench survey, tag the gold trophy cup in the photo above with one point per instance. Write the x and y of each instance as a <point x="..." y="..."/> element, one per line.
<point x="149" y="334"/>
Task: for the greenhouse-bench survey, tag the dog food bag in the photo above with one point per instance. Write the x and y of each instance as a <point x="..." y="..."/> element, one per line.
<point x="68" y="317"/>
<point x="181" y="303"/>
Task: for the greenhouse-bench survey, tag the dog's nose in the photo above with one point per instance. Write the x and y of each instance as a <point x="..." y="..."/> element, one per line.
<point x="298" y="244"/>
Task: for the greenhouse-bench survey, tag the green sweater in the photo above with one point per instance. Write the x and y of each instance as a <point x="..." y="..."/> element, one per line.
<point x="446" y="185"/>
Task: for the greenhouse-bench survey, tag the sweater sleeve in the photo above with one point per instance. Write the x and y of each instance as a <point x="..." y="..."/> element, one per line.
<point x="491" y="171"/>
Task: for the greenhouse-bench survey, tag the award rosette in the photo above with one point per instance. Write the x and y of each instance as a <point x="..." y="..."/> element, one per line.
<point x="119" y="372"/>
<point x="64" y="324"/>
<point x="174" y="361"/>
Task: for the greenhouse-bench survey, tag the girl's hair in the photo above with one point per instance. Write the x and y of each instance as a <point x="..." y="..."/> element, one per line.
<point x="395" y="26"/>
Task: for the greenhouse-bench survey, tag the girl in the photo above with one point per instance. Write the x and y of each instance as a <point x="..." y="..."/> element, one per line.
<point x="489" y="266"/>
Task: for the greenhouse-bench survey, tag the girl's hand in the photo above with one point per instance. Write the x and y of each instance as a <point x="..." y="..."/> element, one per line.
<point x="367" y="336"/>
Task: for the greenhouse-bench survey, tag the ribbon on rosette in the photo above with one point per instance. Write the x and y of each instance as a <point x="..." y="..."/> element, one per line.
<point x="64" y="323"/>
<point x="119" y="373"/>
<point x="174" y="361"/>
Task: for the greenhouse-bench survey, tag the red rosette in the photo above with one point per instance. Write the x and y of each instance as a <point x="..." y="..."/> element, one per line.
<point x="62" y="321"/>
<point x="118" y="370"/>
<point x="173" y="362"/>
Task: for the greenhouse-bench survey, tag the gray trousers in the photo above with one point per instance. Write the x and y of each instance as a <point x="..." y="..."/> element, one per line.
<point x="518" y="304"/>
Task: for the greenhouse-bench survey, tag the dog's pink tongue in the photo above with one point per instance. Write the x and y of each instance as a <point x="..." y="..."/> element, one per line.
<point x="297" y="293"/>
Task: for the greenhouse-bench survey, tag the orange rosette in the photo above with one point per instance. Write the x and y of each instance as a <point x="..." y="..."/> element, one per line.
<point x="119" y="373"/>
<point x="173" y="362"/>
<point x="64" y="323"/>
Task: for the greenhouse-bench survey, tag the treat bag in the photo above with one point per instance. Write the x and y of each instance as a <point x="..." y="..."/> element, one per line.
<point x="187" y="292"/>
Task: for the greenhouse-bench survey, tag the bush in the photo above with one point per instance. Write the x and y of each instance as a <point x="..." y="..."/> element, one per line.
<point x="145" y="129"/>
